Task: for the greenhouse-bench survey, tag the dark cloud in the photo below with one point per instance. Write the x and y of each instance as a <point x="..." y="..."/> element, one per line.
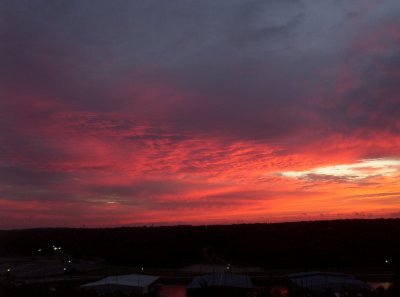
<point x="225" y="60"/>
<point x="148" y="190"/>
<point x="17" y="176"/>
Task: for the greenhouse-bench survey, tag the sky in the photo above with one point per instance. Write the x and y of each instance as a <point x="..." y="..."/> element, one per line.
<point x="124" y="113"/>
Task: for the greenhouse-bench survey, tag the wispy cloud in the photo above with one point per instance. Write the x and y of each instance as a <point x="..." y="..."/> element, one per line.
<point x="349" y="172"/>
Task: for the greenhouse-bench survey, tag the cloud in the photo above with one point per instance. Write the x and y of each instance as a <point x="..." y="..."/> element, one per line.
<point x="349" y="172"/>
<point x="181" y="108"/>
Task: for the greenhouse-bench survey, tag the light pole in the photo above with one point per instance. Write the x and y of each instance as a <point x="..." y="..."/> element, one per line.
<point x="139" y="270"/>
<point x="228" y="266"/>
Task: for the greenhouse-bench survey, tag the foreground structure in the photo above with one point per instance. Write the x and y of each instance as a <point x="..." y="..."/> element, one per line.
<point x="220" y="285"/>
<point x="319" y="282"/>
<point x="129" y="284"/>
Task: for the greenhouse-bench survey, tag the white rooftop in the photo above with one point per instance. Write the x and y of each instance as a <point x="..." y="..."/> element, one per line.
<point x="221" y="280"/>
<point x="133" y="280"/>
<point x="317" y="280"/>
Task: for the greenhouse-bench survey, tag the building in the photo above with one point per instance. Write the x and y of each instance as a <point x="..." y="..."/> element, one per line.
<point x="220" y="285"/>
<point x="316" y="281"/>
<point x="129" y="284"/>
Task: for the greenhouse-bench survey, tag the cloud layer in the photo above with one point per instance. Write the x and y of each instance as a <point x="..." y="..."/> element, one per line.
<point x="128" y="112"/>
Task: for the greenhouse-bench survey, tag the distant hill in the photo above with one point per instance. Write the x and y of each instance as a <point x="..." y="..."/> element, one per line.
<point x="302" y="245"/>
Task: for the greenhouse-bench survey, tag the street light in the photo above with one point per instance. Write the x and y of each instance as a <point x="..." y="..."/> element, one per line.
<point x="141" y="269"/>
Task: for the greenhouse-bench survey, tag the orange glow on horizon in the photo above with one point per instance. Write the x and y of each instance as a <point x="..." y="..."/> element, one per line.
<point x="206" y="180"/>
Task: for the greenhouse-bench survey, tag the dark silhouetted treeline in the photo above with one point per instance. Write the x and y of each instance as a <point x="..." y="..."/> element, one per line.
<point x="303" y="245"/>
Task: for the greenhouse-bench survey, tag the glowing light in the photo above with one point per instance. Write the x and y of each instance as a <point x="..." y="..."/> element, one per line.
<point x="356" y="171"/>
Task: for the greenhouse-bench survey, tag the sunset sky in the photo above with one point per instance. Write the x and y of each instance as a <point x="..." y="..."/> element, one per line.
<point x="119" y="113"/>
